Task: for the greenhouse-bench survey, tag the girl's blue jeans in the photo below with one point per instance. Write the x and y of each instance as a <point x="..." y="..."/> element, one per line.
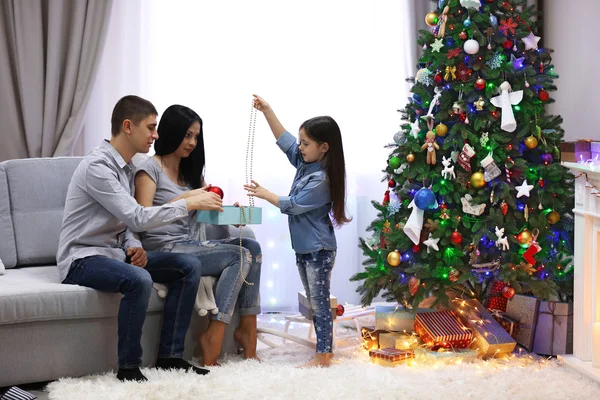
<point x="315" y="273"/>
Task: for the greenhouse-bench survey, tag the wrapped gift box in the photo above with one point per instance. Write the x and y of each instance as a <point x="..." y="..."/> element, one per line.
<point x="509" y="324"/>
<point x="396" y="318"/>
<point x="554" y="329"/>
<point x="576" y="151"/>
<point x="390" y="357"/>
<point x="491" y="340"/>
<point x="399" y="341"/>
<point x="442" y="329"/>
<point x="445" y="356"/>
<point x="306" y="310"/>
<point x="524" y="309"/>
<point x="231" y="215"/>
<point x="495" y="300"/>
<point x="370" y="337"/>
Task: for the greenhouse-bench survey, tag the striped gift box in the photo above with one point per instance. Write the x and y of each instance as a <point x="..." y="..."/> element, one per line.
<point x="442" y="329"/>
<point x="390" y="357"/>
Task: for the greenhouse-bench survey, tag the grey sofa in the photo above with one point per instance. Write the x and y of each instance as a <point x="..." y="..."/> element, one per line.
<point x="47" y="329"/>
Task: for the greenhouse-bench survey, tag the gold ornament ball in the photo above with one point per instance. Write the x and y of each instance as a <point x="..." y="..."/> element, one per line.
<point x="410" y="157"/>
<point x="441" y="130"/>
<point x="524" y="238"/>
<point x="477" y="180"/>
<point x="553" y="217"/>
<point x="431" y="19"/>
<point x="394" y="258"/>
<point x="531" y="142"/>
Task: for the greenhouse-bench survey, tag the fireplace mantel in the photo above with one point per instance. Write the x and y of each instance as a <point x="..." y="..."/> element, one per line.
<point x="586" y="307"/>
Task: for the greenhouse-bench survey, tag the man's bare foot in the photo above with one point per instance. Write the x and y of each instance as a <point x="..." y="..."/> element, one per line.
<point x="248" y="342"/>
<point x="319" y="360"/>
<point x="210" y="344"/>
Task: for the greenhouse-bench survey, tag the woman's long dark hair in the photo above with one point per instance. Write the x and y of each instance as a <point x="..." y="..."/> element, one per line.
<point x="326" y="130"/>
<point x="173" y="126"/>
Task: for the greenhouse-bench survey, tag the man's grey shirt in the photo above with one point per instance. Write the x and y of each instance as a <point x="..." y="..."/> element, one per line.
<point x="100" y="213"/>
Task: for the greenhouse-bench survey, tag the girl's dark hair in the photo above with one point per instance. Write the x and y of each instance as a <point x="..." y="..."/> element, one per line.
<point x="326" y="130"/>
<point x="173" y="126"/>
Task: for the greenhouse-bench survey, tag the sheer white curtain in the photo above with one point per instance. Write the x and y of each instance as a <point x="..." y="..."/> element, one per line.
<point x="307" y="58"/>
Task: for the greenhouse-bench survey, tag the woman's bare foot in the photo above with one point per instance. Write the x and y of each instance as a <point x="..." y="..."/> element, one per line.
<point x="211" y="341"/>
<point x="319" y="360"/>
<point x="245" y="334"/>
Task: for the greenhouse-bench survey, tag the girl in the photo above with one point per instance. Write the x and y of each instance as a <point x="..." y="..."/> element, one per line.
<point x="175" y="171"/>
<point x="315" y="204"/>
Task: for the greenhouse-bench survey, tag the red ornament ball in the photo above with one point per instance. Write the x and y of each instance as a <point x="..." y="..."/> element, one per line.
<point x="508" y="292"/>
<point x="444" y="206"/>
<point x="507" y="44"/>
<point x="416" y="248"/>
<point x="480" y="84"/>
<point x="217" y="190"/>
<point x="456" y="237"/>
<point x="438" y="78"/>
<point x="543" y="95"/>
<point x="463" y="35"/>
<point x="340" y="310"/>
<point x="392" y="183"/>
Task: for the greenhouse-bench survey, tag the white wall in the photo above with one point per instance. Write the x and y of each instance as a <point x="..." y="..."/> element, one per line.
<point x="570" y="28"/>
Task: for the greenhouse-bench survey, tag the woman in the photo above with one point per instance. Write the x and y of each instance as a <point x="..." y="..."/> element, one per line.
<point x="177" y="171"/>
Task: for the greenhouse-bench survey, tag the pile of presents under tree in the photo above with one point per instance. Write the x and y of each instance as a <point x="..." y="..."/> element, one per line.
<point x="467" y="330"/>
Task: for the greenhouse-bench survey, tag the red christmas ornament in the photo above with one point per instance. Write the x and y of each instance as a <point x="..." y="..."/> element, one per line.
<point x="217" y="190"/>
<point x="392" y="183"/>
<point x="456" y="237"/>
<point x="543" y="96"/>
<point x="443" y="206"/>
<point x="541" y="183"/>
<point x="508" y="292"/>
<point x="438" y="78"/>
<point x="504" y="207"/>
<point x="497" y="302"/>
<point x="507" y="44"/>
<point x="340" y="310"/>
<point x="463" y="35"/>
<point x="416" y="248"/>
<point x="386" y="198"/>
<point x="413" y="285"/>
<point x="480" y="84"/>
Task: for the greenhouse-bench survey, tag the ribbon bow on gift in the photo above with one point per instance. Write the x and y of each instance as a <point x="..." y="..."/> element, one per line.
<point x="555" y="320"/>
<point x="450" y="71"/>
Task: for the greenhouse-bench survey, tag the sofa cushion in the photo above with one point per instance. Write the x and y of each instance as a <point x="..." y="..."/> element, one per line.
<point x="35" y="294"/>
<point x="38" y="188"/>
<point x="8" y="252"/>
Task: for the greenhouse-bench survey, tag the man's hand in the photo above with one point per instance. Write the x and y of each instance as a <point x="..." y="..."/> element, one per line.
<point x="205" y="201"/>
<point x="138" y="256"/>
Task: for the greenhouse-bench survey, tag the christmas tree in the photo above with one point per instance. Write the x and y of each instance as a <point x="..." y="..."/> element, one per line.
<point x="478" y="201"/>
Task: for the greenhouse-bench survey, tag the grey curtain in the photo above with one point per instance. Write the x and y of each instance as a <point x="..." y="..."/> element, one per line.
<point x="49" y="55"/>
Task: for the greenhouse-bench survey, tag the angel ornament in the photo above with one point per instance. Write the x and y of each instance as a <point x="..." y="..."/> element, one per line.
<point x="505" y="101"/>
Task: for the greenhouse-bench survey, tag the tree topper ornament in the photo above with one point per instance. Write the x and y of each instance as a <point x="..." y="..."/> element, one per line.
<point x="505" y="101"/>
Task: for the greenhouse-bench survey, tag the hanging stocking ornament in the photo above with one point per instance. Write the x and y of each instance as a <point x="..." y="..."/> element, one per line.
<point x="491" y="170"/>
<point x="464" y="158"/>
<point x="534" y="248"/>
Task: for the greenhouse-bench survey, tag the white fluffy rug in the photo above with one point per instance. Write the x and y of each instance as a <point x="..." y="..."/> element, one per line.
<point x="353" y="377"/>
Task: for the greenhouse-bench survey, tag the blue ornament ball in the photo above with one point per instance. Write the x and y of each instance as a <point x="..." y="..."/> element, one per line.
<point x="467" y="23"/>
<point x="425" y="199"/>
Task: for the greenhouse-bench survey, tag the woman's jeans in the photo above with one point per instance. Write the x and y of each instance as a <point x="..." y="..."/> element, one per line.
<point x="237" y="283"/>
<point x="315" y="273"/>
<point x="180" y="272"/>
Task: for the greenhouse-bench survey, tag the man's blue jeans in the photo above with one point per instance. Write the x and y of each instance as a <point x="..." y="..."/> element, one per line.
<point x="181" y="273"/>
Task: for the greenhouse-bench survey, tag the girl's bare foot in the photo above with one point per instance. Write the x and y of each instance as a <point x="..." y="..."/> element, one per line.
<point x="211" y="341"/>
<point x="245" y="334"/>
<point x="319" y="360"/>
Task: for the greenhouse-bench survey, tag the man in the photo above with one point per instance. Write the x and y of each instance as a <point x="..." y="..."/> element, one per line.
<point x="99" y="249"/>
